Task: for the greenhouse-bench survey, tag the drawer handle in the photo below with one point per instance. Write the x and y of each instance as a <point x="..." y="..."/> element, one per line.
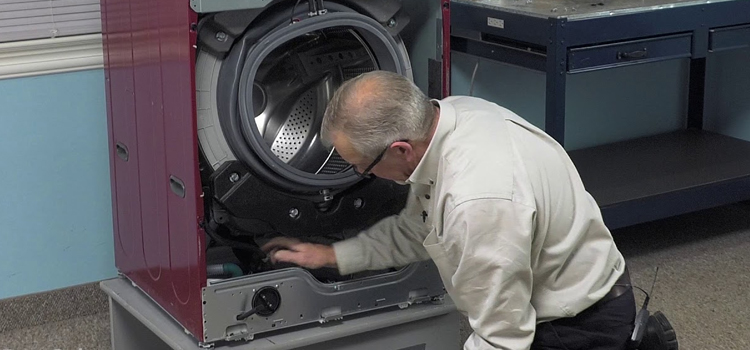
<point x="634" y="55"/>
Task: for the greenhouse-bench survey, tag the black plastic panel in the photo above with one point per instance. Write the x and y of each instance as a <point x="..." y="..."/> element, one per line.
<point x="250" y="206"/>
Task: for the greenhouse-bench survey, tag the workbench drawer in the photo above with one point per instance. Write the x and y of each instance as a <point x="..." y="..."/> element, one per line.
<point x="630" y="52"/>
<point x="729" y="38"/>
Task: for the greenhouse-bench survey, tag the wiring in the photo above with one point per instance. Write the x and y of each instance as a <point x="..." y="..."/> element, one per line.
<point x="473" y="77"/>
<point x="294" y="9"/>
<point x="648" y="295"/>
<point x="230" y="243"/>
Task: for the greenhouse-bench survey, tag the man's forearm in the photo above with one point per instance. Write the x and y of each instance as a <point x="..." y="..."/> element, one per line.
<point x="392" y="242"/>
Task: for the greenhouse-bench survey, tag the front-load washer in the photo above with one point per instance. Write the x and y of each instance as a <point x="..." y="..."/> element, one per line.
<point x="263" y="79"/>
<point x="214" y="112"/>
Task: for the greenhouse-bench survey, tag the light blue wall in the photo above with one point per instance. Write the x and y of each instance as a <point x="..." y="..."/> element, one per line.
<point x="55" y="209"/>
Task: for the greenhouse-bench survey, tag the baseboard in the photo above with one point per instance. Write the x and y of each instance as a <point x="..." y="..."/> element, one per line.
<point x="53" y="306"/>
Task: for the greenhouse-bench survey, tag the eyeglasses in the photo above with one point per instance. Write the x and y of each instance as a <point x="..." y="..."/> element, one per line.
<point x="367" y="172"/>
<point x="375" y="162"/>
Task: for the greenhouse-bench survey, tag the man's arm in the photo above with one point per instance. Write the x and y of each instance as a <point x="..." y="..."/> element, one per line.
<point x="489" y="242"/>
<point x="394" y="241"/>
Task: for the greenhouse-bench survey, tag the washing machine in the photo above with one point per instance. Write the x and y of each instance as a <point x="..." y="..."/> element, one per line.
<point x="214" y="110"/>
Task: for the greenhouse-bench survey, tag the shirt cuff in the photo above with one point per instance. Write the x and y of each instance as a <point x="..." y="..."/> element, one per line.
<point x="350" y="256"/>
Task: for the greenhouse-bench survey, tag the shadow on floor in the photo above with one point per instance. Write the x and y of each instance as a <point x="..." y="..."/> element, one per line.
<point x="686" y="229"/>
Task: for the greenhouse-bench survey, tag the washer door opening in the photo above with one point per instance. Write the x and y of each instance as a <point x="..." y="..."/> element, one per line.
<point x="260" y="107"/>
<point x="291" y="89"/>
<point x="263" y="104"/>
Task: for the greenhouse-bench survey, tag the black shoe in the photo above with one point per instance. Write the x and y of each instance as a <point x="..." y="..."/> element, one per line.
<point x="659" y="334"/>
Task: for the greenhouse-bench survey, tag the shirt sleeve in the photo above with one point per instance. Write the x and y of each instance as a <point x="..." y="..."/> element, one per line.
<point x="391" y="242"/>
<point x="489" y="243"/>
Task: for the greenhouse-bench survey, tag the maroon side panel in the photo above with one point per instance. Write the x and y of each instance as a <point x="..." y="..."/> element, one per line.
<point x="446" y="5"/>
<point x="124" y="160"/>
<point x="186" y="251"/>
<point x="153" y="188"/>
<point x="156" y="192"/>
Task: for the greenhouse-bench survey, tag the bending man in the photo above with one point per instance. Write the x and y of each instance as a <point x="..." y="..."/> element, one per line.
<point x="497" y="205"/>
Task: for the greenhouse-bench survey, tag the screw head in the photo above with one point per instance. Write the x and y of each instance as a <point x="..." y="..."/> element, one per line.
<point x="294" y="213"/>
<point x="221" y="36"/>
<point x="358" y="203"/>
<point x="391" y="22"/>
<point x="234" y="177"/>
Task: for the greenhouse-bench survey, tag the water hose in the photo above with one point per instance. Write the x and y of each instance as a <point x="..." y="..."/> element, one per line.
<point x="224" y="269"/>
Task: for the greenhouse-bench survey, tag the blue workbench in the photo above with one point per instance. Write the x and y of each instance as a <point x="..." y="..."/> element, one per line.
<point x="646" y="178"/>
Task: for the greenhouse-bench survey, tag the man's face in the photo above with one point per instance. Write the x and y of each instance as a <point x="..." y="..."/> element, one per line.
<point x="391" y="165"/>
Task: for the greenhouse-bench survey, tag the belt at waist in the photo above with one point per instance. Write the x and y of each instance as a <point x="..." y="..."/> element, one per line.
<point x="622" y="286"/>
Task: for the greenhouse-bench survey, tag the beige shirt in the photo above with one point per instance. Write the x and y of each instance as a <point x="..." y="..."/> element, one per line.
<point x="514" y="234"/>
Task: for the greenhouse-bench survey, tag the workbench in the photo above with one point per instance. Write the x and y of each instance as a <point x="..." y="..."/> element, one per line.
<point x="645" y="178"/>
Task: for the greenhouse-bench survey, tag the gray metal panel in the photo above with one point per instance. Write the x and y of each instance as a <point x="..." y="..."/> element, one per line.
<point x="578" y="9"/>
<point x="129" y="333"/>
<point x="138" y="323"/>
<point x="133" y="307"/>
<point x="436" y="333"/>
<point x="305" y="300"/>
<point x="204" y="6"/>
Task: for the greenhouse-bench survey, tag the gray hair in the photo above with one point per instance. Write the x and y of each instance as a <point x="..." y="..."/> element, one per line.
<point x="376" y="109"/>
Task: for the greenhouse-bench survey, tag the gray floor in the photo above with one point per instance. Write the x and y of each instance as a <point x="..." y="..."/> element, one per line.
<point x="702" y="285"/>
<point x="704" y="274"/>
<point x="87" y="333"/>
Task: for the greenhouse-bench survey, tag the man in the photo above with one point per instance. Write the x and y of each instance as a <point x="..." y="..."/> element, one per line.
<point x="498" y="206"/>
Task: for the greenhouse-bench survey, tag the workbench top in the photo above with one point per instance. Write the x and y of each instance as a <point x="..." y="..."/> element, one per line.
<point x="581" y="9"/>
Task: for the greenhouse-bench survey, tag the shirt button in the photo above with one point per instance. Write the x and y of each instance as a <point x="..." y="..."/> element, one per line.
<point x="427" y="196"/>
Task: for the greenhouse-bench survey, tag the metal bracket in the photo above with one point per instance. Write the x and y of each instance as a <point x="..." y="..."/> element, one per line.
<point x="331" y="314"/>
<point x="316" y="8"/>
<point x="317" y="13"/>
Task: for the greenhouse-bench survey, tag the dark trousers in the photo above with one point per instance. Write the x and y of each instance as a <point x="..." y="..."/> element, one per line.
<point x="603" y="326"/>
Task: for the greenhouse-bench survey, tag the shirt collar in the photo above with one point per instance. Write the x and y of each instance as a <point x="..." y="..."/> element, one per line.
<point x="426" y="171"/>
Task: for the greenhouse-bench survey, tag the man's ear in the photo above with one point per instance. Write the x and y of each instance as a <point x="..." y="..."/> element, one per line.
<point x="402" y="147"/>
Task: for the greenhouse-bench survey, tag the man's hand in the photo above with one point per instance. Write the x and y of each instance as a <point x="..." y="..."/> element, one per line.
<point x="309" y="255"/>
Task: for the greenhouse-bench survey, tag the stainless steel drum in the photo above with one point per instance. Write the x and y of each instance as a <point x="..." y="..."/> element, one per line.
<point x="290" y="89"/>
